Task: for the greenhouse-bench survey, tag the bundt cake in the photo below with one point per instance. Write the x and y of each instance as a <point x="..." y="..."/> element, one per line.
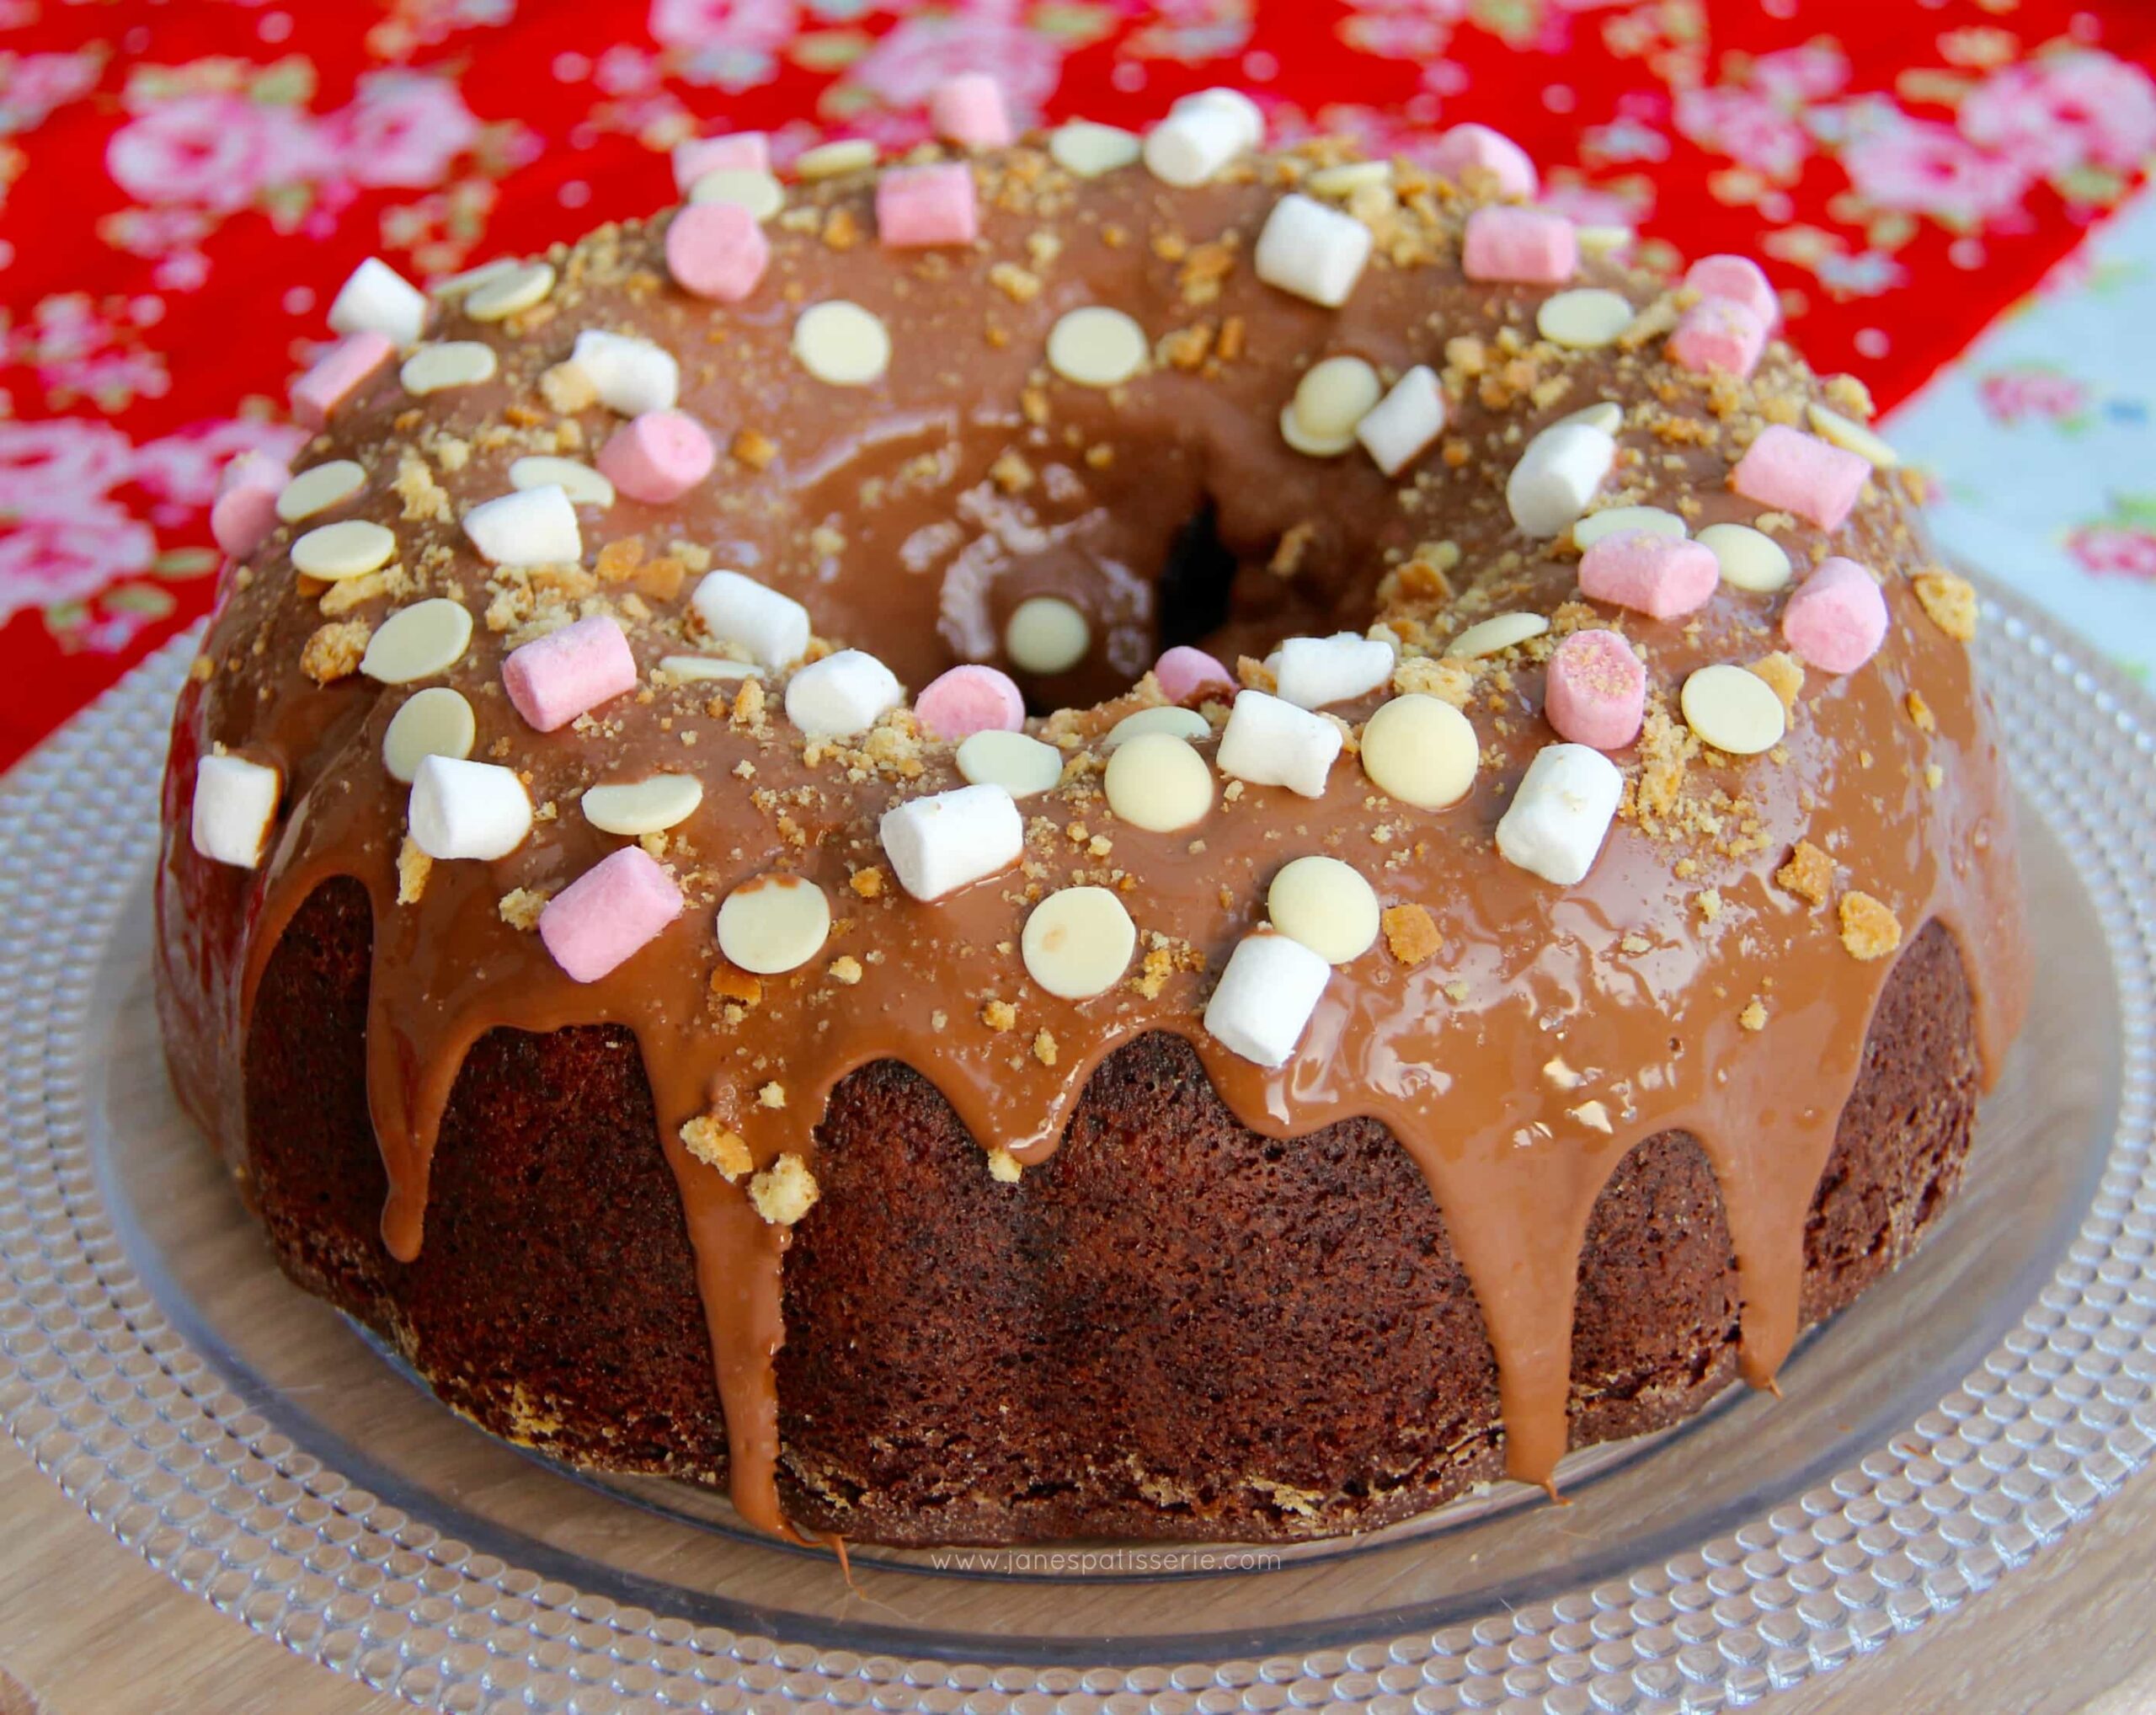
<point x="1441" y="888"/>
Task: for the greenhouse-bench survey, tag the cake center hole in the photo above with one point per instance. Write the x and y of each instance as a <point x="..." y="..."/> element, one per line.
<point x="1191" y="598"/>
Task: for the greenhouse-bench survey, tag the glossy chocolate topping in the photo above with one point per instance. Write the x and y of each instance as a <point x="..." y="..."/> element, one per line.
<point x="1517" y="1037"/>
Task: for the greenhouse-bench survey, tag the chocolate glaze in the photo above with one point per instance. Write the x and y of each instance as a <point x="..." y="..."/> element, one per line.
<point x="877" y="508"/>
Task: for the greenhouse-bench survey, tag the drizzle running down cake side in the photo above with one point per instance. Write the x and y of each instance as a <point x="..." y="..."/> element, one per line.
<point x="1531" y="945"/>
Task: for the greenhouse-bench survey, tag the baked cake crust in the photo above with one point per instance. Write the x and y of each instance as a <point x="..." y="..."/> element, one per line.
<point x="1549" y="1163"/>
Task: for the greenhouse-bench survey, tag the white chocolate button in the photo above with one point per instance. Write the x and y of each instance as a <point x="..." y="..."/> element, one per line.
<point x="636" y="808"/>
<point x="1852" y="437"/>
<point x="1326" y="906"/>
<point x="320" y="488"/>
<point x="708" y="667"/>
<point x="1182" y="722"/>
<point x="1347" y="177"/>
<point x="842" y="344"/>
<point x="1096" y="347"/>
<point x="1021" y="765"/>
<point x="1046" y="634"/>
<point x="774" y="923"/>
<point x="351" y="547"/>
<point x="1330" y="400"/>
<point x="1495" y="634"/>
<point x="1156" y="782"/>
<point x="521" y="287"/>
<point x="1090" y="150"/>
<point x="585" y="486"/>
<point x="1584" y="319"/>
<point x="1077" y="943"/>
<point x="1750" y="559"/>
<point x="447" y="363"/>
<point x="1420" y="750"/>
<point x="418" y="642"/>
<point x="436" y="722"/>
<point x="1605" y="414"/>
<point x="749" y="187"/>
<point x="454" y="284"/>
<point x="1604" y="241"/>
<point x="835" y="160"/>
<point x="1733" y="710"/>
<point x="1588" y="531"/>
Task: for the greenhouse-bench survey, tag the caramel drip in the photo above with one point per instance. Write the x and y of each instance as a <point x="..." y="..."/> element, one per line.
<point x="1551" y="1030"/>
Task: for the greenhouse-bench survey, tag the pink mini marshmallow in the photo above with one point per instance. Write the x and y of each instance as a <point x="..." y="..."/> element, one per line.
<point x="658" y="457"/>
<point x="968" y="111"/>
<point x="1719" y="333"/>
<point x="743" y="152"/>
<point x="612" y="910"/>
<point x="1837" y="619"/>
<point x="1794" y="471"/>
<point x="241" y="519"/>
<point x="1466" y="146"/>
<point x="1597" y="691"/>
<point x="1183" y="672"/>
<point x="968" y="700"/>
<point x="337" y="374"/>
<point x="245" y="511"/>
<point x="920" y="206"/>
<point x="554" y="679"/>
<point x="1652" y="573"/>
<point x="1529" y="245"/>
<point x="1737" y="279"/>
<point x="716" y="250"/>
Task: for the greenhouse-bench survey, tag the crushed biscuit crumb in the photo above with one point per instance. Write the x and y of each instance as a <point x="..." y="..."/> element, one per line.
<point x="784" y="1191"/>
<point x="1870" y="930"/>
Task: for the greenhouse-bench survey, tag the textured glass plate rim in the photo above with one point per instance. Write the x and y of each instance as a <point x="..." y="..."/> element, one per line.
<point x="109" y="1400"/>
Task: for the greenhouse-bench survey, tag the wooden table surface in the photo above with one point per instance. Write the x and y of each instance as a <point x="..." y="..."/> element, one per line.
<point x="87" y="1629"/>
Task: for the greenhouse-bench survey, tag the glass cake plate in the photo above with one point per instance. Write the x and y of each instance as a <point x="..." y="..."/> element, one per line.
<point x="265" y="1454"/>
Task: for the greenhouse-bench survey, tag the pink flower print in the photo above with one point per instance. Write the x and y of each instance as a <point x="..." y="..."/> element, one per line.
<point x="743" y="26"/>
<point x="2012" y="395"/>
<point x="212" y="151"/>
<point x="1593" y="205"/>
<point x="48" y="559"/>
<point x="1401" y="30"/>
<point x="60" y="465"/>
<point x="921" y="52"/>
<point x="1920" y="167"/>
<point x="401" y="128"/>
<point x="2065" y="110"/>
<point x="1797" y="76"/>
<point x="183" y="468"/>
<point x="1747" y="127"/>
<point x="2114" y="550"/>
<point x="32" y="85"/>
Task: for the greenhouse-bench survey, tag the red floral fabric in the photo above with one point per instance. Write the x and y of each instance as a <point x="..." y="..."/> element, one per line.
<point x="184" y="185"/>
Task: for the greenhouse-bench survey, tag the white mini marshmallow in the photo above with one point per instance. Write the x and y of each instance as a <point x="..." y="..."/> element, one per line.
<point x="529" y="527"/>
<point x="938" y="843"/>
<point x="1405" y="421"/>
<point x="1314" y="252"/>
<point x="1248" y="116"/>
<point x="774" y="628"/>
<point x="1194" y="143"/>
<point x="379" y="299"/>
<point x="841" y="695"/>
<point x="235" y="802"/>
<point x="1558" y="475"/>
<point x="631" y="376"/>
<point x="467" y="809"/>
<point x="1270" y="742"/>
<point x="1266" y="996"/>
<point x="1316" y="670"/>
<point x="1560" y="812"/>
